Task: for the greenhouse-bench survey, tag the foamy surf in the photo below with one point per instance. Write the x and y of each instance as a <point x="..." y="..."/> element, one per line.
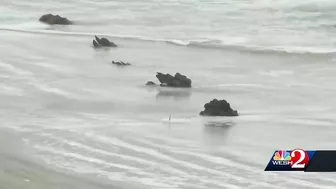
<point x="25" y="26"/>
<point x="235" y="44"/>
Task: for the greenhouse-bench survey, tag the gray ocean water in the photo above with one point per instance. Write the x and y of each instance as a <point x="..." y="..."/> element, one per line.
<point x="70" y="119"/>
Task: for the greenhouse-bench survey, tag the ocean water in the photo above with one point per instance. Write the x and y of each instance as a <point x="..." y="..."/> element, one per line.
<point x="71" y="119"/>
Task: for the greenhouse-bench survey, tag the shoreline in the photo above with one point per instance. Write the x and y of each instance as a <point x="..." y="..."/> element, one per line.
<point x="19" y="169"/>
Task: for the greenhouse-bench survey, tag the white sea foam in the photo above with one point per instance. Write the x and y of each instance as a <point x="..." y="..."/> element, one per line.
<point x="5" y="89"/>
<point x="83" y="158"/>
<point x="15" y="70"/>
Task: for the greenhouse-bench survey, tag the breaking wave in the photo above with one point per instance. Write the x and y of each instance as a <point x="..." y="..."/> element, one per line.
<point x="227" y="43"/>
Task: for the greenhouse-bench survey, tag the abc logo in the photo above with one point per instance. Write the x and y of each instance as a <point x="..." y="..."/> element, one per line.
<point x="299" y="159"/>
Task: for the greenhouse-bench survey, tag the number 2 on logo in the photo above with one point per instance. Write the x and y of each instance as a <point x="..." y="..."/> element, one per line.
<point x="300" y="163"/>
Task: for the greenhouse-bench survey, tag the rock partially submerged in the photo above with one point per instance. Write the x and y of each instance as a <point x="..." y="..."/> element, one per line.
<point x="150" y="83"/>
<point x="55" y="19"/>
<point x="178" y="80"/>
<point x="103" y="42"/>
<point x="218" y="108"/>
<point x="121" y="63"/>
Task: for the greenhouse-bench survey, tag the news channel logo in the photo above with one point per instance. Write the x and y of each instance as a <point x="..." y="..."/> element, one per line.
<point x="289" y="160"/>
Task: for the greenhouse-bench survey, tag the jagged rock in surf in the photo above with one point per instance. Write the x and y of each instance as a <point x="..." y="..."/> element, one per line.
<point x="150" y="83"/>
<point x="102" y="42"/>
<point x="55" y="19"/>
<point x="218" y="108"/>
<point x="178" y="80"/>
<point x="121" y="63"/>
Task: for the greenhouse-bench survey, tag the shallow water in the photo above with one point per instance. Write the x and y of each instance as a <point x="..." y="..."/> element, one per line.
<point x="83" y="120"/>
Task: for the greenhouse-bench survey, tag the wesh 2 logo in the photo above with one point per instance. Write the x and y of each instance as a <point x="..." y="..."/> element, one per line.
<point x="289" y="160"/>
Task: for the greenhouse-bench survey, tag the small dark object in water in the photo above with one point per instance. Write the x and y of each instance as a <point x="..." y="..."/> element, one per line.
<point x="178" y="80"/>
<point x="218" y="108"/>
<point x="150" y="83"/>
<point x="103" y="42"/>
<point x="55" y="19"/>
<point x="121" y="63"/>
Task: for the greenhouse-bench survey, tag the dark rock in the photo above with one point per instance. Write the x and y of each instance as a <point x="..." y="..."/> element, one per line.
<point x="96" y="44"/>
<point x="150" y="83"/>
<point x="120" y="63"/>
<point x="218" y="108"/>
<point x="178" y="80"/>
<point x="103" y="42"/>
<point x="55" y="19"/>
